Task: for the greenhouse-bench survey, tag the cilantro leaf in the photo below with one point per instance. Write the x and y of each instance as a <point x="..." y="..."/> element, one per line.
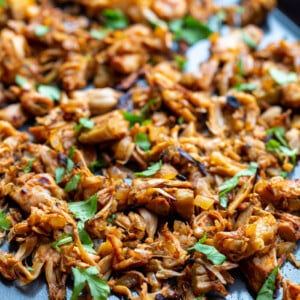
<point x="84" y="123"/>
<point x="180" y="120"/>
<point x="59" y="174"/>
<point x="279" y="133"/>
<point x="248" y="40"/>
<point x="142" y="140"/>
<point x="132" y="118"/>
<point x="84" y="210"/>
<point x="62" y="240"/>
<point x="98" y="34"/>
<point x="29" y="165"/>
<point x="267" y="290"/>
<point x="4" y="222"/>
<point x="70" y="163"/>
<point x="97" y="164"/>
<point x="282" y="77"/>
<point x="245" y="87"/>
<point x="72" y="184"/>
<point x="49" y="91"/>
<point x="231" y="183"/>
<point x="115" y="19"/>
<point x="3" y="3"/>
<point x="280" y="146"/>
<point x="189" y="30"/>
<point x="284" y="174"/>
<point x="181" y="62"/>
<point x="200" y="297"/>
<point x="20" y="80"/>
<point x="98" y="286"/>
<point x="85" y="239"/>
<point x="111" y="219"/>
<point x="152" y="169"/>
<point x="41" y="30"/>
<point x="30" y="268"/>
<point x="146" y="107"/>
<point x="210" y="252"/>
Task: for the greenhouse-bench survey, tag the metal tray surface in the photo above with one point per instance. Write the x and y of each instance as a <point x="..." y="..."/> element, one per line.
<point x="278" y="26"/>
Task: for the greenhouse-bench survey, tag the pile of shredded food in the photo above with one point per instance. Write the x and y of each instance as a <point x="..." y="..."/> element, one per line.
<point x="125" y="174"/>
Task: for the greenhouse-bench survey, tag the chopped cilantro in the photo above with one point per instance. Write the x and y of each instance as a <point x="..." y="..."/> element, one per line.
<point x="62" y="240"/>
<point x="29" y="165"/>
<point x="210" y="252"/>
<point x="59" y="174"/>
<point x="84" y="123"/>
<point x="231" y="183"/>
<point x="83" y="277"/>
<point x="152" y="169"/>
<point x="20" y="80"/>
<point x="282" y="77"/>
<point x="115" y="19"/>
<point x="142" y="140"/>
<point x="248" y="40"/>
<point x="72" y="184"/>
<point x="49" y="91"/>
<point x="99" y="34"/>
<point x="84" y="210"/>
<point x="189" y="30"/>
<point x="4" y="222"/>
<point x="181" y="62"/>
<point x="267" y="290"/>
<point x="41" y="30"/>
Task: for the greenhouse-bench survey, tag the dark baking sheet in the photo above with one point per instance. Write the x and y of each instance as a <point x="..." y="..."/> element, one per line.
<point x="278" y="26"/>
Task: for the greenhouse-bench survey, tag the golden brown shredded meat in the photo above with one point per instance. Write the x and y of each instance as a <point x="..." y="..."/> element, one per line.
<point x="130" y="175"/>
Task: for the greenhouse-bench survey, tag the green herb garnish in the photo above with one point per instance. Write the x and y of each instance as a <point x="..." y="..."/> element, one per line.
<point x="189" y="30"/>
<point x="152" y="169"/>
<point x="59" y="174"/>
<point x="146" y="107"/>
<point x="100" y="163"/>
<point x="210" y="252"/>
<point x="98" y="34"/>
<point x="84" y="210"/>
<point x="62" y="240"/>
<point x="282" y="77"/>
<point x="84" y="123"/>
<point x="231" y="183"/>
<point x="245" y="87"/>
<point x="181" y="62"/>
<point x="267" y="290"/>
<point x="49" y="91"/>
<point x="4" y="222"/>
<point x="20" y="80"/>
<point x="115" y="19"/>
<point x="85" y="239"/>
<point x="111" y="219"/>
<point x="72" y="184"/>
<point x="133" y="118"/>
<point x="41" y="30"/>
<point x="284" y="174"/>
<point x="29" y="165"/>
<point x="248" y="40"/>
<point x="82" y="277"/>
<point x="279" y="145"/>
<point x="142" y="140"/>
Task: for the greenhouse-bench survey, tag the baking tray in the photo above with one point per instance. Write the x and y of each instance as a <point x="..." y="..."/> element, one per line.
<point x="277" y="26"/>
